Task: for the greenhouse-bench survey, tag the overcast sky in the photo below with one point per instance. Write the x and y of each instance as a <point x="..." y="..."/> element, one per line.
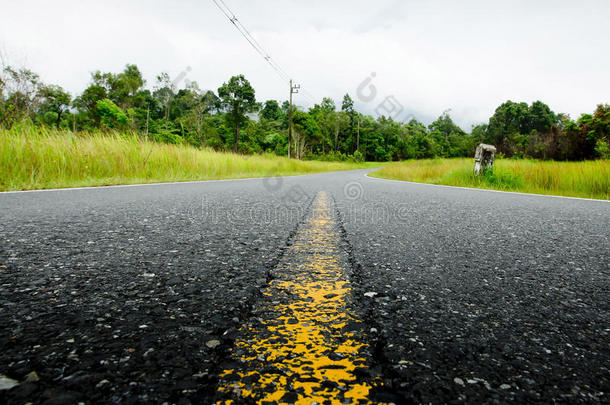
<point x="430" y="56"/>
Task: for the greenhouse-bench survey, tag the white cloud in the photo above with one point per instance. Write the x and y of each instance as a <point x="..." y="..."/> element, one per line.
<point x="466" y="56"/>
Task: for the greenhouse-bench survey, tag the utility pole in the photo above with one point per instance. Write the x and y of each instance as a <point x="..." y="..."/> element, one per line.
<point x="293" y="90"/>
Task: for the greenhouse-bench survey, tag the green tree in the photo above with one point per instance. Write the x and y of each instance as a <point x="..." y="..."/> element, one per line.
<point x="127" y="85"/>
<point x="509" y="121"/>
<point x="339" y="120"/>
<point x="347" y="105"/>
<point x="86" y="104"/>
<point x="516" y="128"/>
<point x="306" y="132"/>
<point x="190" y="108"/>
<point x="164" y="91"/>
<point x="601" y="123"/>
<point x="592" y="132"/>
<point x="237" y="98"/>
<point x="541" y="118"/>
<point x="444" y="126"/>
<point x="121" y="87"/>
<point x="211" y="101"/>
<point x="325" y="116"/>
<point x="54" y="99"/>
<point x="111" y="115"/>
<point x="124" y="89"/>
<point x="19" y="94"/>
<point x="478" y="132"/>
<point x="449" y="138"/>
<point x="271" y="110"/>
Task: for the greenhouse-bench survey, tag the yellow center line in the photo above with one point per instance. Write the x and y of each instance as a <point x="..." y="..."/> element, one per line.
<point x="304" y="346"/>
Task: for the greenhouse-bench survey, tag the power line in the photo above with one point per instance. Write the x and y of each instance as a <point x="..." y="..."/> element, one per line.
<point x="308" y="95"/>
<point x="251" y="40"/>
<point x="256" y="45"/>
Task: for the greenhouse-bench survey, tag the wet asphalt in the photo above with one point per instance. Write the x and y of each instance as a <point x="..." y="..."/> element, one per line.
<point x="137" y="294"/>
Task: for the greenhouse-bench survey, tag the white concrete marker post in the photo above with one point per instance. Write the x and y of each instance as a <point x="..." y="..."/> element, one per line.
<point x="484" y="158"/>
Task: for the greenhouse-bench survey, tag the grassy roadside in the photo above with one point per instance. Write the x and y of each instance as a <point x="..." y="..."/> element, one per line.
<point x="589" y="179"/>
<point x="35" y="158"/>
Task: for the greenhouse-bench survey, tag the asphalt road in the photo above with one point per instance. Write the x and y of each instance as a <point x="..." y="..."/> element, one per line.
<point x="138" y="294"/>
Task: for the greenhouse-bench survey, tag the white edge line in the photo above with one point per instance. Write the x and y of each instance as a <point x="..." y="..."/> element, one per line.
<point x="167" y="183"/>
<point x="140" y="185"/>
<point x="486" y="189"/>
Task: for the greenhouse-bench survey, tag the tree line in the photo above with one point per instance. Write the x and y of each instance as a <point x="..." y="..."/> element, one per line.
<point x="231" y="118"/>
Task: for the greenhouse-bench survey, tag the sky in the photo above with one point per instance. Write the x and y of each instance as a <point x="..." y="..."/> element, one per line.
<point x="404" y="59"/>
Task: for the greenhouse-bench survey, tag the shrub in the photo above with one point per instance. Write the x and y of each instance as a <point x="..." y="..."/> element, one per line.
<point x="111" y="115"/>
<point x="358" y="157"/>
<point x="602" y="149"/>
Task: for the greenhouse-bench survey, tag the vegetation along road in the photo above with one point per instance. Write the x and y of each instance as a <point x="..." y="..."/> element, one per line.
<point x="330" y="285"/>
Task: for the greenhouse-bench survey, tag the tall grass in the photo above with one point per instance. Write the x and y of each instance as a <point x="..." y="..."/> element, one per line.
<point x="589" y="179"/>
<point x="37" y="158"/>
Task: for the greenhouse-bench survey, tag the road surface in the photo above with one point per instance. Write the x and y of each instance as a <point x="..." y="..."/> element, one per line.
<point x="325" y="286"/>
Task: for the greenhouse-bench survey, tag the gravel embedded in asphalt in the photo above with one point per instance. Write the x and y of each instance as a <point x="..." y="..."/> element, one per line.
<point x="124" y="294"/>
<point x="485" y="296"/>
<point x="135" y="294"/>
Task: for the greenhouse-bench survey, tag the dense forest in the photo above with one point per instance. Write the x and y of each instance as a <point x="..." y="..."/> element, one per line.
<point x="232" y="119"/>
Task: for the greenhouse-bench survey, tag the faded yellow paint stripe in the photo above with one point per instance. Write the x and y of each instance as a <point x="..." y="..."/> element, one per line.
<point x="304" y="346"/>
